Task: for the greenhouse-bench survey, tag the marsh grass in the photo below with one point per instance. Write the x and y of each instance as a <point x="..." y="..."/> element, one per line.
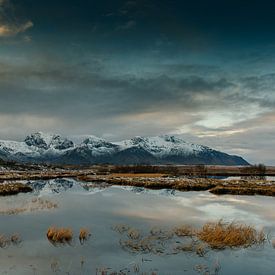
<point x="133" y="234"/>
<point x="59" y="235"/>
<point x="35" y="204"/>
<point x="185" y="238"/>
<point x="84" y="235"/>
<point x="14" y="188"/>
<point x="193" y="246"/>
<point x="220" y="235"/>
<point x="185" y="231"/>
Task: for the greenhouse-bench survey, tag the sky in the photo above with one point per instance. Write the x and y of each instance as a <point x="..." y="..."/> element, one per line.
<point x="204" y="70"/>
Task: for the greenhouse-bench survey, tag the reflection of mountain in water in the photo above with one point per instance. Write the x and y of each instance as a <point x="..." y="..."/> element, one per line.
<point x="57" y="185"/>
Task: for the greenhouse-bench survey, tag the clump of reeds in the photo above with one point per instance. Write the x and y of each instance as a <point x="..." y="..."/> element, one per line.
<point x="193" y="246"/>
<point x="185" y="231"/>
<point x="59" y="235"/>
<point x="133" y="234"/>
<point x="84" y="235"/>
<point x="4" y="241"/>
<point x="15" y="239"/>
<point x="219" y="235"/>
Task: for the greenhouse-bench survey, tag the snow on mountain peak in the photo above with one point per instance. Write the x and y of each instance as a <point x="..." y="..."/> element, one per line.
<point x="90" y="149"/>
<point x="47" y="141"/>
<point x="162" y="145"/>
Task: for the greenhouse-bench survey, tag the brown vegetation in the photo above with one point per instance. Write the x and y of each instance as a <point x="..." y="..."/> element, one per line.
<point x="59" y="235"/>
<point x="215" y="186"/>
<point x="137" y="175"/>
<point x="246" y="188"/>
<point x="185" y="238"/>
<point x="7" y="189"/>
<point x="219" y="235"/>
<point x="84" y="235"/>
<point x="35" y="204"/>
<point x="184" y="231"/>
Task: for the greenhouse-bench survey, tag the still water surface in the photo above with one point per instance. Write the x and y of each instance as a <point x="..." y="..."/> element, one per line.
<point x="101" y="209"/>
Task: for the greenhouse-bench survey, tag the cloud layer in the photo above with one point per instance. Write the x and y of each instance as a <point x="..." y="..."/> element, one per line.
<point x="130" y="68"/>
<point x="10" y="23"/>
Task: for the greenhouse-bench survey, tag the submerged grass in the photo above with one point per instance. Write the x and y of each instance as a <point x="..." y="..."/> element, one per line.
<point x="185" y="238"/>
<point x="13" y="239"/>
<point x="35" y="204"/>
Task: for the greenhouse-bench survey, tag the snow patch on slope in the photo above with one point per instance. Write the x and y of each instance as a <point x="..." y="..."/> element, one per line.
<point x="163" y="145"/>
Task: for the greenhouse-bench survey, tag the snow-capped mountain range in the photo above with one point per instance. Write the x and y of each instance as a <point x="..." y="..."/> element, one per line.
<point x="40" y="147"/>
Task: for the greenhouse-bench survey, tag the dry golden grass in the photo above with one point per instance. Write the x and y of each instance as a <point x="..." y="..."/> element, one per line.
<point x="245" y="188"/>
<point x="185" y="238"/>
<point x="84" y="235"/>
<point x="14" y="188"/>
<point x="219" y="235"/>
<point x="59" y="235"/>
<point x="137" y="175"/>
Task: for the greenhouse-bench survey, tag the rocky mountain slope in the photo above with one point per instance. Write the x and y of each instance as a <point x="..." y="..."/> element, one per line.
<point x="39" y="147"/>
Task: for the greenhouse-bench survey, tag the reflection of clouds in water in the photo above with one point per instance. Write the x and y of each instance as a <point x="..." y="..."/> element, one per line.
<point x="251" y="209"/>
<point x="216" y="211"/>
<point x="159" y="212"/>
<point x="195" y="207"/>
<point x="154" y="207"/>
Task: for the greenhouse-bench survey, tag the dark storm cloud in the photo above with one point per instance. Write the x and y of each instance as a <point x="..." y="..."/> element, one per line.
<point x="204" y="69"/>
<point x="34" y="89"/>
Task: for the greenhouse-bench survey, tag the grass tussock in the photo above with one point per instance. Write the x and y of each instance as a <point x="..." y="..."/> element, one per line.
<point x="185" y="238"/>
<point x="219" y="235"/>
<point x="193" y="246"/>
<point x="185" y="230"/>
<point x="59" y="235"/>
<point x="84" y="235"/>
<point x="133" y="234"/>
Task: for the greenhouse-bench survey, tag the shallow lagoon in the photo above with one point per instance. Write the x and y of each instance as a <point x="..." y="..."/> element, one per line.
<point x="101" y="209"/>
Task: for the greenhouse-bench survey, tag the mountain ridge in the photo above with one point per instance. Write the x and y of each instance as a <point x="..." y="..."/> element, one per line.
<point x="165" y="149"/>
